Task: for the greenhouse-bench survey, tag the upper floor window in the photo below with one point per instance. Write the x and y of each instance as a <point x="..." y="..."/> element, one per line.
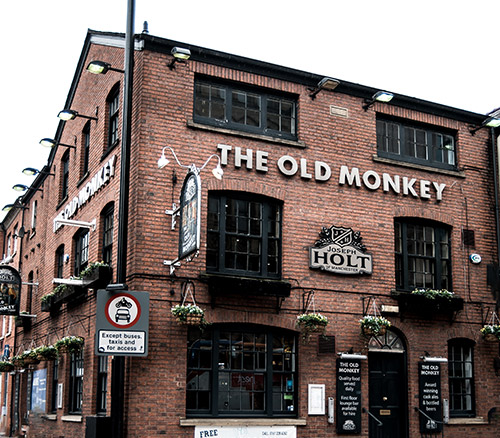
<point x="244" y="235"/>
<point x="461" y="378"/>
<point x="248" y="109"/>
<point x="113" y="116"/>
<point x="64" y="175"/>
<point x="416" y="144"/>
<point x="107" y="233"/>
<point x="250" y="371"/>
<point x="29" y="295"/>
<point x="81" y="251"/>
<point x="422" y="255"/>
<point x="85" y="148"/>
<point x="34" y="212"/>
<point x="59" y="262"/>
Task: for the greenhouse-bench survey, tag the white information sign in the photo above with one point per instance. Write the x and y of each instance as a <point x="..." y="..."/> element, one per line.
<point x="114" y="341"/>
<point x="246" y="432"/>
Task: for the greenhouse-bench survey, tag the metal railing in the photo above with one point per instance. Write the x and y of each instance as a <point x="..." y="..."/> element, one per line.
<point x="433" y="425"/>
<point x="377" y="432"/>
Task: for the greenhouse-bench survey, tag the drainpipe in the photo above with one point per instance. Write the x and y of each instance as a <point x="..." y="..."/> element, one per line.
<point x="497" y="220"/>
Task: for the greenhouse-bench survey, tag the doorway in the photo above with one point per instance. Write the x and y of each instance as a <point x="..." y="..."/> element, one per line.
<point x="388" y="388"/>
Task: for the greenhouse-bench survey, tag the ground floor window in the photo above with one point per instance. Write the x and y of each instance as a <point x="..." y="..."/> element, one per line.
<point x="76" y="383"/>
<point x="241" y="372"/>
<point x="461" y="378"/>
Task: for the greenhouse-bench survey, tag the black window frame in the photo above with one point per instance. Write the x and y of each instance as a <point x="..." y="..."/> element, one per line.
<point x="102" y="385"/>
<point x="216" y="357"/>
<point x="76" y="382"/>
<point x="107" y="217"/>
<point x="219" y="237"/>
<point x="405" y="259"/>
<point x="423" y="137"/>
<point x="55" y="385"/>
<point x="65" y="175"/>
<point x="113" y="104"/>
<point x="81" y="259"/>
<point x="59" y="266"/>
<point x="220" y="110"/>
<point x="461" y="386"/>
<point x="85" y="148"/>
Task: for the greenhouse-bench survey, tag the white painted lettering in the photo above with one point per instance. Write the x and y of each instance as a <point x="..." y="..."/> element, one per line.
<point x="351" y="177"/>
<point x="239" y="157"/>
<point x="292" y="164"/>
<point x="367" y="176"/>
<point x="303" y="169"/>
<point x="425" y="191"/>
<point x="261" y="161"/>
<point x="322" y="171"/>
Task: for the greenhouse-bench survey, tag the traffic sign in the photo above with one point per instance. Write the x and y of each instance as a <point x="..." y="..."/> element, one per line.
<point x="122" y="323"/>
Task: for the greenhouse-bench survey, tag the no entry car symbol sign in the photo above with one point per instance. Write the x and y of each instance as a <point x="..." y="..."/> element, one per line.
<point x="122" y="323"/>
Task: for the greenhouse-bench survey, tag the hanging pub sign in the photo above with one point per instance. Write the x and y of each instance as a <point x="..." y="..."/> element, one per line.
<point x="348" y="396"/>
<point x="429" y="384"/>
<point x="190" y="220"/>
<point x="10" y="291"/>
<point x="339" y="250"/>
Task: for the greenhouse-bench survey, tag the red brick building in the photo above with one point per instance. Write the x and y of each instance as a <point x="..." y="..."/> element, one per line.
<point x="331" y="202"/>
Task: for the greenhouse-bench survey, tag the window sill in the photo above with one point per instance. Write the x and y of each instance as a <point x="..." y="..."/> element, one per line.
<point x="72" y="418"/>
<point x="219" y="284"/>
<point x="455" y="173"/>
<point x="241" y="422"/>
<point x="462" y="421"/>
<point x="50" y="417"/>
<point x="294" y="143"/>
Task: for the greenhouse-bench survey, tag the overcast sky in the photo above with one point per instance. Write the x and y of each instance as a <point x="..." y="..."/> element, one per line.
<point x="443" y="51"/>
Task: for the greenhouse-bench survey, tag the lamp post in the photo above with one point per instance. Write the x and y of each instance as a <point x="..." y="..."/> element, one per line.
<point x="118" y="363"/>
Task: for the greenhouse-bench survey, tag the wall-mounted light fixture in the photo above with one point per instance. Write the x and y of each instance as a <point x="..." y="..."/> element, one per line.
<point x="379" y="96"/>
<point x="352" y="356"/>
<point x="8" y="207"/>
<point x="31" y="171"/>
<point x="434" y="359"/>
<point x="69" y="114"/>
<point x="24" y="188"/>
<point x="50" y="143"/>
<point x="101" y="68"/>
<point x="492" y="121"/>
<point x="217" y="171"/>
<point x="325" y="84"/>
<point x="180" y="54"/>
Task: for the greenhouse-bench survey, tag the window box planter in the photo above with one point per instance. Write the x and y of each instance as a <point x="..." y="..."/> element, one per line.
<point x="96" y="275"/>
<point x="244" y="286"/>
<point x="428" y="304"/>
<point x="23" y="320"/>
<point x="49" y="304"/>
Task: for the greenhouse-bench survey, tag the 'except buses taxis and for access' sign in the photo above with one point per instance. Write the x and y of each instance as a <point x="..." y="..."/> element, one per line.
<point x="122" y="323"/>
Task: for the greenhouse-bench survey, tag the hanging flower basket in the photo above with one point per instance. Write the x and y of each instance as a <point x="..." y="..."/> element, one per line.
<point x="46" y="352"/>
<point x="309" y="323"/>
<point x="189" y="314"/>
<point x="18" y="362"/>
<point x="69" y="344"/>
<point x="374" y="325"/>
<point x="491" y="333"/>
<point x="6" y="367"/>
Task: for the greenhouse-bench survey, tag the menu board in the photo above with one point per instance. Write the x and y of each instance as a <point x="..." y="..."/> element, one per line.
<point x="429" y="383"/>
<point x="348" y="396"/>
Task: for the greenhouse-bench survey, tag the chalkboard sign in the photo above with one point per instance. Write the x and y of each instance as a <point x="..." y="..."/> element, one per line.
<point x="429" y="384"/>
<point x="348" y="396"/>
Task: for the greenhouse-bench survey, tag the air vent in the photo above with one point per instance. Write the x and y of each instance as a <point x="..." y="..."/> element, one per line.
<point x="326" y="344"/>
<point x="468" y="237"/>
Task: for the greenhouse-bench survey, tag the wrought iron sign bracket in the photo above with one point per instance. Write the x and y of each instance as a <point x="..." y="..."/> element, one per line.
<point x="174" y="212"/>
<point x="367" y="305"/>
<point x="307" y="296"/>
<point x="173" y="264"/>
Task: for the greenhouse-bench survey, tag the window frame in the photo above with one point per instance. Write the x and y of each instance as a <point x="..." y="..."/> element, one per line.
<point x="107" y="220"/>
<point x="220" y="236"/>
<point x="85" y="148"/>
<point x="466" y="381"/>
<point x="404" y="128"/>
<point x="82" y="242"/>
<point x="102" y="384"/>
<point x="265" y="96"/>
<point x="65" y="175"/>
<point x="113" y="106"/>
<point x="269" y="372"/>
<point x="76" y="382"/>
<point x="55" y="383"/>
<point x="402" y="257"/>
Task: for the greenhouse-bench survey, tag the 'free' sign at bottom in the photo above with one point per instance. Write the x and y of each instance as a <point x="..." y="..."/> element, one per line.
<point x="116" y="341"/>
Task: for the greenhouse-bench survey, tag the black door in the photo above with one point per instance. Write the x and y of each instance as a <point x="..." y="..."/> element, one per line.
<point x="387" y="395"/>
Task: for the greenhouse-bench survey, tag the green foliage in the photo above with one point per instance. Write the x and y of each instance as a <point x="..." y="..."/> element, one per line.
<point x="432" y="294"/>
<point x="311" y="320"/>
<point x="491" y="330"/>
<point x="374" y="323"/>
<point x="181" y="311"/>
<point x="71" y="344"/>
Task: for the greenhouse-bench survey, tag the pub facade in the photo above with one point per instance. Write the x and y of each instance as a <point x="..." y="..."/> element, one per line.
<point x="341" y="258"/>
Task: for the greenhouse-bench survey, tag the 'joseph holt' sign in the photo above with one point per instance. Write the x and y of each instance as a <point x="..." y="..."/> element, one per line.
<point x="340" y="250"/>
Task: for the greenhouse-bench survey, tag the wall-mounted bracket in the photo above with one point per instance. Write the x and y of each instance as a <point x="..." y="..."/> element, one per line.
<point x="174" y="212"/>
<point x="173" y="264"/>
